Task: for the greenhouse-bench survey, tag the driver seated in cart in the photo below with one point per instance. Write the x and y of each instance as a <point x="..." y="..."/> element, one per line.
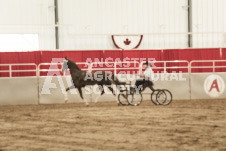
<point x="145" y="79"/>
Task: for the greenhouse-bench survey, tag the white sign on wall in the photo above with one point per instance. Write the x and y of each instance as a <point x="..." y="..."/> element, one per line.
<point x="214" y="85"/>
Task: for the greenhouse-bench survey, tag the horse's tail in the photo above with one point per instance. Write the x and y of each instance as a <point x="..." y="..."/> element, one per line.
<point x="116" y="81"/>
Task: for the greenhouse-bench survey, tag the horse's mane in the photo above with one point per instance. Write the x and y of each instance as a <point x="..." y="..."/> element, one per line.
<point x="73" y="65"/>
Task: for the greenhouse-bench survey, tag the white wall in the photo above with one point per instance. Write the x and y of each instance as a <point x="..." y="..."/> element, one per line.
<point x="92" y="22"/>
<point x="122" y="17"/>
<point x="19" y="91"/>
<point x="23" y="16"/>
<point x="209" y="16"/>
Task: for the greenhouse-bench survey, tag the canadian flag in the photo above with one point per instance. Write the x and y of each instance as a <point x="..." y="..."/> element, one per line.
<point x="127" y="41"/>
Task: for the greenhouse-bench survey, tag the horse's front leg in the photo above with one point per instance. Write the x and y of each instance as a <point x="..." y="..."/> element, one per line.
<point x="65" y="95"/>
<point x="71" y="87"/>
<point x="80" y="92"/>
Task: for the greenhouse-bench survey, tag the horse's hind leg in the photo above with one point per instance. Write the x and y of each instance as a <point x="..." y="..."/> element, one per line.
<point x="151" y="86"/>
<point x="80" y="92"/>
<point x="113" y="91"/>
<point x="102" y="92"/>
<point x="101" y="89"/>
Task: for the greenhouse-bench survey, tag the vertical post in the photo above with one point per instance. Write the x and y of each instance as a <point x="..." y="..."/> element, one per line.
<point x="164" y="66"/>
<point x="36" y="70"/>
<point x="189" y="67"/>
<point x="140" y="67"/>
<point x="189" y="73"/>
<point x="213" y="66"/>
<point x="37" y="75"/>
<point x="115" y="70"/>
<point x="189" y="23"/>
<point x="10" y="70"/>
<point x="90" y="67"/>
<point x="56" y="23"/>
<point x="221" y="53"/>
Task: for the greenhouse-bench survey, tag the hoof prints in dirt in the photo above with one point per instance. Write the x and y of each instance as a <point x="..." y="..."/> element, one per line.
<point x="183" y="125"/>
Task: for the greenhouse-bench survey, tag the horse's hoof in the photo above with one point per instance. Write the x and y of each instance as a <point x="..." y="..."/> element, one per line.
<point x="87" y="104"/>
<point x="65" y="101"/>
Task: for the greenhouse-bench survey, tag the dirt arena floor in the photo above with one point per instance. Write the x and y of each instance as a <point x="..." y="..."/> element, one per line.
<point x="183" y="125"/>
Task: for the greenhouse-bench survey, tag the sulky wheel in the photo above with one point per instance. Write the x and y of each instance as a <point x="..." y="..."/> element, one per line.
<point x="123" y="98"/>
<point x="154" y="95"/>
<point x="164" y="97"/>
<point x="135" y="98"/>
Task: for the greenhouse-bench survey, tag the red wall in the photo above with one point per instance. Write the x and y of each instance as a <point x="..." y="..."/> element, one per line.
<point x="81" y="56"/>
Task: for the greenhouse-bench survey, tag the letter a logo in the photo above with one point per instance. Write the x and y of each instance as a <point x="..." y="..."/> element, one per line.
<point x="214" y="86"/>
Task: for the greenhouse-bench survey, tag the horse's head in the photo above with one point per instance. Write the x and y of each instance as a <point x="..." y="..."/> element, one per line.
<point x="65" y="66"/>
<point x="69" y="64"/>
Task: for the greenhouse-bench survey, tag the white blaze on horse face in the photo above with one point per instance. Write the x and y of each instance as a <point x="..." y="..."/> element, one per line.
<point x="64" y="66"/>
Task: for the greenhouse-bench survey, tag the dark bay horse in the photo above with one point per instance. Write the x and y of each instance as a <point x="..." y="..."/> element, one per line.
<point x="81" y="78"/>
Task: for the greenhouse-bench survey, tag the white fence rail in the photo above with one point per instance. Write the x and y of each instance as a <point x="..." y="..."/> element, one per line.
<point x="116" y="66"/>
<point x="213" y="65"/>
<point x="192" y="87"/>
<point x="11" y="70"/>
<point x="40" y="70"/>
<point x="165" y="65"/>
